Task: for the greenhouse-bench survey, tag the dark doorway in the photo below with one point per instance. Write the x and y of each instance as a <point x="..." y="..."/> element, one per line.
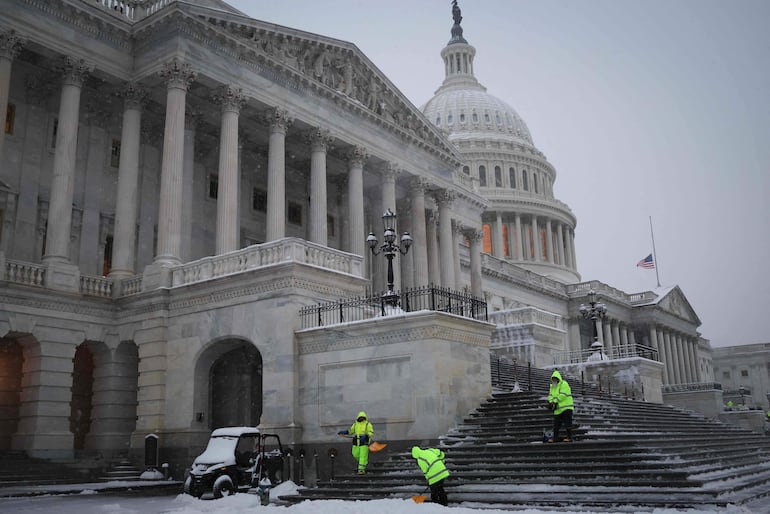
<point x="11" y="360"/>
<point x="236" y="388"/>
<point x="82" y="395"/>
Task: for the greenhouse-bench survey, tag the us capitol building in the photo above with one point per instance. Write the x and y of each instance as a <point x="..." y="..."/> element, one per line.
<point x="186" y="198"/>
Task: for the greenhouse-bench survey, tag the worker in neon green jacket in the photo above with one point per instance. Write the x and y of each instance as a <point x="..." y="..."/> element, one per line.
<point x="431" y="462"/>
<point x="363" y="434"/>
<point x="562" y="405"/>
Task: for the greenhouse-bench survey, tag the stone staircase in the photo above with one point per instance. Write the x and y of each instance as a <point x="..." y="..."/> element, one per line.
<point x="627" y="454"/>
<point x="18" y="469"/>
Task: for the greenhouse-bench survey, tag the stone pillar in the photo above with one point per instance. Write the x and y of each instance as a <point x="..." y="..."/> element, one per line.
<point x="536" y="240"/>
<point x="673" y="366"/>
<point x="519" y="238"/>
<point x="126" y="203"/>
<point x="568" y="250"/>
<point x="457" y="234"/>
<point x="356" y="159"/>
<point x="388" y="192"/>
<point x="498" y="250"/>
<point x="434" y="266"/>
<point x="624" y="341"/>
<point x="476" y="238"/>
<point x="178" y="76"/>
<point x="45" y="398"/>
<point x="279" y="122"/>
<point x="573" y="256"/>
<point x="599" y="330"/>
<point x="560" y="242"/>
<point x="63" y="183"/>
<point x="549" y="242"/>
<point x="444" y="199"/>
<point x="573" y="330"/>
<point x="661" y="351"/>
<point x="10" y="46"/>
<point x="616" y="337"/>
<point x="189" y="205"/>
<point x="607" y="331"/>
<point x="231" y="100"/>
<point x="683" y="358"/>
<point x="696" y="363"/>
<point x="419" y="250"/>
<point x="319" y="140"/>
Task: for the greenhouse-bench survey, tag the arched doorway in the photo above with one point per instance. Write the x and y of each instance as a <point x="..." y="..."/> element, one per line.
<point x="235" y="387"/>
<point x="11" y="360"/>
<point x="81" y="404"/>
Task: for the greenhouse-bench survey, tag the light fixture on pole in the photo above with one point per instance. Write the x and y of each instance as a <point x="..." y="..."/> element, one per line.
<point x="389" y="248"/>
<point x="593" y="311"/>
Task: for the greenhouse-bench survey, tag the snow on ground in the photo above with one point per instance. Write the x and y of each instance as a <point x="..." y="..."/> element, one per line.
<point x="90" y="501"/>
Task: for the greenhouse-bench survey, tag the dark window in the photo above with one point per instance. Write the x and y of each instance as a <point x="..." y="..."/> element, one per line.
<point x="115" y="153"/>
<point x="295" y="213"/>
<point x="487" y="118"/>
<point x="259" y="200"/>
<point x="449" y="119"/>
<point x="524" y="183"/>
<point x="10" y="116"/>
<point x="482" y="176"/>
<point x="466" y="170"/>
<point x="438" y="120"/>
<point x="330" y="226"/>
<point x="475" y="117"/>
<point x="498" y="177"/>
<point x="462" y="117"/>
<point x="512" y="177"/>
<point x="726" y="375"/>
<point x="107" y="263"/>
<point x="54" y="130"/>
<point x="534" y="181"/>
<point x="744" y="372"/>
<point x="213" y="186"/>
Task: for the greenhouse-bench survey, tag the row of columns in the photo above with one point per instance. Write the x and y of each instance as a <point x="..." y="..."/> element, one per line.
<point x="679" y="352"/>
<point x="434" y="241"/>
<point x="524" y="233"/>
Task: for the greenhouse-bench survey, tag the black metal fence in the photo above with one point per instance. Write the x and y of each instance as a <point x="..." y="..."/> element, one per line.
<point x="409" y="300"/>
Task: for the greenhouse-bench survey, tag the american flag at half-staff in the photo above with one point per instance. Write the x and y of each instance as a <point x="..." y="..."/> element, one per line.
<point x="646" y="263"/>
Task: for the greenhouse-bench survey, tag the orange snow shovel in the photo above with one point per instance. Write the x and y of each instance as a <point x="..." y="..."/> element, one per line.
<point x="375" y="446"/>
<point x="420" y="498"/>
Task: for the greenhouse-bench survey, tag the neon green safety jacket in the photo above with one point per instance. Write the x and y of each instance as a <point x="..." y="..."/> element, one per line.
<point x="362" y="431"/>
<point x="560" y="394"/>
<point x="431" y="462"/>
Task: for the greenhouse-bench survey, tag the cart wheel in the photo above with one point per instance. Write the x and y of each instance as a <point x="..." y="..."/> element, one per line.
<point x="223" y="487"/>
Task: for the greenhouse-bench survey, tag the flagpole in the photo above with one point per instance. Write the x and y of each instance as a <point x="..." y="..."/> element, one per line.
<point x="654" y="255"/>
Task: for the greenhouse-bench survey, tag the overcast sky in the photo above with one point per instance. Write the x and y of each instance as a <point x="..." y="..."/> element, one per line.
<point x="646" y="108"/>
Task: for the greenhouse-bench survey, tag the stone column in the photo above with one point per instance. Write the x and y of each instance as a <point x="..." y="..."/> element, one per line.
<point x="319" y="140"/>
<point x="498" y="250"/>
<point x="126" y="203"/>
<point x="519" y="238"/>
<point x="573" y="256"/>
<point x="62" y="186"/>
<point x="683" y="358"/>
<point x="231" y="100"/>
<point x="673" y="364"/>
<point x="536" y="240"/>
<point x="444" y="199"/>
<point x="549" y="241"/>
<point x="419" y="250"/>
<point x="661" y="351"/>
<point x="567" y="249"/>
<point x="388" y="192"/>
<point x="356" y="159"/>
<point x="178" y="76"/>
<point x="696" y="363"/>
<point x="189" y="205"/>
<point x="10" y="46"/>
<point x="434" y="266"/>
<point x="476" y="238"/>
<point x="599" y="331"/>
<point x="624" y="341"/>
<point x="616" y="337"/>
<point x="573" y="330"/>
<point x="279" y="122"/>
<point x="457" y="233"/>
<point x="607" y="330"/>
<point x="560" y="242"/>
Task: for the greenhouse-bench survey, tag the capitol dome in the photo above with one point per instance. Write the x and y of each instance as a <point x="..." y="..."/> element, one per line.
<point x="524" y="223"/>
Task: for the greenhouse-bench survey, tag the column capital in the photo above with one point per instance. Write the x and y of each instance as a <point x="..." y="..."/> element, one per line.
<point x="444" y="197"/>
<point x="319" y="139"/>
<point x="419" y="185"/>
<point x="134" y="96"/>
<point x="473" y="234"/>
<point x="391" y="172"/>
<point x="458" y="227"/>
<point x="177" y="74"/>
<point x="11" y="44"/>
<point x="357" y="156"/>
<point x="278" y="119"/>
<point x="230" y="98"/>
<point x="75" y="71"/>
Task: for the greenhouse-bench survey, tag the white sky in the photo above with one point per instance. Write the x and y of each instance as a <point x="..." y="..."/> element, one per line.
<point x="92" y="502"/>
<point x="654" y="108"/>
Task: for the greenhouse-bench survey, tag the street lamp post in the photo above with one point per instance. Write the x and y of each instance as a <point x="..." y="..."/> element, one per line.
<point x="389" y="248"/>
<point x="593" y="311"/>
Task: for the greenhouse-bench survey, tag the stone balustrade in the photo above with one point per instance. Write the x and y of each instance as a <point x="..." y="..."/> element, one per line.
<point x="96" y="286"/>
<point x="526" y="316"/>
<point x="131" y="286"/>
<point x="131" y="10"/>
<point x="267" y="254"/>
<point x="24" y="273"/>
<point x="491" y="263"/>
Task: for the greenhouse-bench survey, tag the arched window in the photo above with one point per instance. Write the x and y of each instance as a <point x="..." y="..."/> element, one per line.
<point x="498" y="119"/>
<point x="487" y="119"/>
<point x="438" y="120"/>
<point x="482" y="176"/>
<point x="475" y="117"/>
<point x="498" y="177"/>
<point x="466" y="170"/>
<point x="524" y="181"/>
<point x="534" y="181"/>
<point x="462" y="117"/>
<point x="449" y="119"/>
<point x="512" y="177"/>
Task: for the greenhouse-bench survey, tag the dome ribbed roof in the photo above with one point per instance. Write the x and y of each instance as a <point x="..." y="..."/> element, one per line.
<point x="473" y="113"/>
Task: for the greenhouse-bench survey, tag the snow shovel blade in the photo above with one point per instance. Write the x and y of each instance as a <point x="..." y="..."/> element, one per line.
<point x="375" y="446"/>
<point x="419" y="498"/>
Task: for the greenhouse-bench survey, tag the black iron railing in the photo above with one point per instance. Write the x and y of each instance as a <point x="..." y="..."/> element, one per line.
<point x="409" y="300"/>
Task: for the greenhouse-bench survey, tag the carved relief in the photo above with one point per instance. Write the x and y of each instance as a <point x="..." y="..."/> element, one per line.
<point x="230" y="98"/>
<point x="133" y="95"/>
<point x="11" y="44"/>
<point x="75" y="71"/>
<point x="278" y="119"/>
<point x="319" y="139"/>
<point x="357" y="156"/>
<point x="177" y="74"/>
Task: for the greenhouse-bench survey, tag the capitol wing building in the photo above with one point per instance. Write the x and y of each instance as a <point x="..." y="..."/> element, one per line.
<point x="192" y="236"/>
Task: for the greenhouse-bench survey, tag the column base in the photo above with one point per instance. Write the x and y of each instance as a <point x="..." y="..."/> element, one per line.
<point x="61" y="276"/>
<point x="156" y="275"/>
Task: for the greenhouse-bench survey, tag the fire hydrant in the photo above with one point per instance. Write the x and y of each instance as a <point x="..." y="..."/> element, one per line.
<point x="264" y="491"/>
